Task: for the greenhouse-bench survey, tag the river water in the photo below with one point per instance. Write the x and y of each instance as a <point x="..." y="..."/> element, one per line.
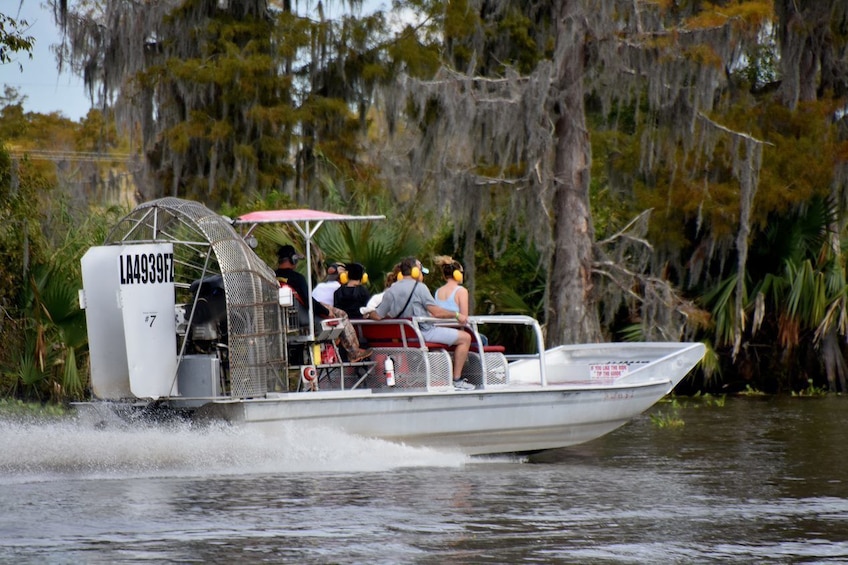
<point x="752" y="481"/>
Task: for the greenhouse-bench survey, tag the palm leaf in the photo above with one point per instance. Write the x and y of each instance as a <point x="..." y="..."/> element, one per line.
<point x="632" y="332"/>
<point x="60" y="301"/>
<point x="71" y="382"/>
<point x="29" y="372"/>
<point x="723" y="308"/>
<point x="377" y="247"/>
<point x="808" y="297"/>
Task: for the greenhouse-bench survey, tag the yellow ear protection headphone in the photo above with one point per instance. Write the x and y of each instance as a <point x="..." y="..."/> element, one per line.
<point x="415" y="272"/>
<point x="344" y="278"/>
<point x="453" y="270"/>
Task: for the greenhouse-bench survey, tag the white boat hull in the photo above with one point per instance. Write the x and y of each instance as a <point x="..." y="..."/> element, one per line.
<point x="520" y="417"/>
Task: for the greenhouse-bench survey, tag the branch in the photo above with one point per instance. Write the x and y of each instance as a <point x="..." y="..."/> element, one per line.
<point x="733" y="132"/>
<point x="630" y="224"/>
<point x="615" y="280"/>
<point x="456" y="75"/>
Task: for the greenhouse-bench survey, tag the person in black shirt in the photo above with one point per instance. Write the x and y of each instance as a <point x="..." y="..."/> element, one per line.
<point x="286" y="274"/>
<point x="352" y="296"/>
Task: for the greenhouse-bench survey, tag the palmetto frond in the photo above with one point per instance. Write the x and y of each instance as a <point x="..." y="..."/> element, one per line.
<point x="803" y="235"/>
<point x="29" y="372"/>
<point x="377" y="247"/>
<point x="71" y="381"/>
<point x="720" y="301"/>
<point x="56" y="332"/>
<point x="807" y="298"/>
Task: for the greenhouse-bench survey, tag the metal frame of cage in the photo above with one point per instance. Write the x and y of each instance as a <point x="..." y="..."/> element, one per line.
<point x="205" y="243"/>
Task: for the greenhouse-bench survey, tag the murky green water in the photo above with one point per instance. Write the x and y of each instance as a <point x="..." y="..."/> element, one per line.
<point x="754" y="481"/>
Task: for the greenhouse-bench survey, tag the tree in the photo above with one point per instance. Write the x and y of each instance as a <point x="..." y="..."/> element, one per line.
<point x="571" y="313"/>
<point x="813" y="60"/>
<point x="229" y="98"/>
<point x="504" y="124"/>
<point x="641" y="147"/>
<point x="716" y="209"/>
<point x="13" y="40"/>
<point x="48" y="174"/>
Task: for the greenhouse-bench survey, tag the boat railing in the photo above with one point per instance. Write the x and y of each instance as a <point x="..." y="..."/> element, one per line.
<point x="488" y="363"/>
<point x="515" y="320"/>
<point x="420" y="367"/>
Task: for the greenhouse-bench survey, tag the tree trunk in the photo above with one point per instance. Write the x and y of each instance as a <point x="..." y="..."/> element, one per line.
<point x="571" y="313"/>
<point x="808" y="52"/>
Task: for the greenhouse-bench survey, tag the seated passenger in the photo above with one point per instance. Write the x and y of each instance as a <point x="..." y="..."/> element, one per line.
<point x="286" y="274"/>
<point x="408" y="298"/>
<point x="375" y="299"/>
<point x="323" y="291"/>
<point x="352" y="295"/>
<point x="452" y="295"/>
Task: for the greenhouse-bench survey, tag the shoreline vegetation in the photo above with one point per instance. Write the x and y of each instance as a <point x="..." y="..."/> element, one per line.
<point x="652" y="172"/>
<point x="20" y="409"/>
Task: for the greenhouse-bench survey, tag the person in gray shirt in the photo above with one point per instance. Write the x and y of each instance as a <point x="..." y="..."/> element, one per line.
<point x="410" y="298"/>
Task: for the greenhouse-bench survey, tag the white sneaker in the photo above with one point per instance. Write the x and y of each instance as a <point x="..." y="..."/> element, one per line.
<point x="462" y="384"/>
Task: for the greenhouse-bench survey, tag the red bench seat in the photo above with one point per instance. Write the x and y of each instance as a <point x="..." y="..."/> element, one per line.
<point x="396" y="334"/>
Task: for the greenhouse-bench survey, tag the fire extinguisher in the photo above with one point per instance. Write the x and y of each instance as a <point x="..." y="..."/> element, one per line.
<point x="389" y="368"/>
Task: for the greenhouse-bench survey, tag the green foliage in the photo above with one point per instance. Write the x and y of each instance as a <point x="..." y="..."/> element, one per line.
<point x="794" y="281"/>
<point x="697" y="400"/>
<point x="377" y="245"/>
<point x="509" y="41"/>
<point x="759" y="69"/>
<point x="710" y="365"/>
<point x="20" y="235"/>
<point x="55" y="331"/>
<point x="42" y="239"/>
<point x="251" y="102"/>
<point x="13" y="40"/>
<point x="523" y="292"/>
<point x="31" y="374"/>
<point x="276" y="109"/>
<point x="811" y="391"/>
<point x="751" y="391"/>
<point x="668" y="412"/>
<point x="720" y="301"/>
<point x="668" y="418"/>
<point x="18" y="409"/>
<point x="710" y="400"/>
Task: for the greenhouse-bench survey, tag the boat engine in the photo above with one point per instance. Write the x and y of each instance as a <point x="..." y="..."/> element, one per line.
<point x="207" y="332"/>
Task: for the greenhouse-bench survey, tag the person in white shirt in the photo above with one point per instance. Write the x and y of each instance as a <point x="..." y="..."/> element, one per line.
<point x="323" y="291"/>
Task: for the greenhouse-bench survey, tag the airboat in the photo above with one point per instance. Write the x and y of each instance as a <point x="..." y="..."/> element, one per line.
<point x="183" y="315"/>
